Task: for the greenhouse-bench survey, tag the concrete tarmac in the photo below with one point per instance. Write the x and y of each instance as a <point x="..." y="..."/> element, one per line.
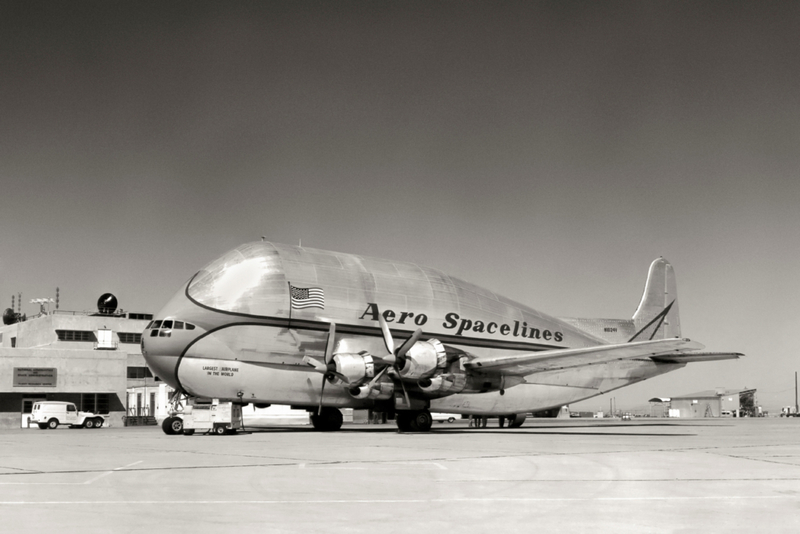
<point x="647" y="475"/>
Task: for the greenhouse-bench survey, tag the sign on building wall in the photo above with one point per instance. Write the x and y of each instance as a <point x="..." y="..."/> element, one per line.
<point x="35" y="376"/>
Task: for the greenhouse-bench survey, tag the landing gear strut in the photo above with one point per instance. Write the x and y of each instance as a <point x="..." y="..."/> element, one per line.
<point x="414" y="421"/>
<point x="328" y="420"/>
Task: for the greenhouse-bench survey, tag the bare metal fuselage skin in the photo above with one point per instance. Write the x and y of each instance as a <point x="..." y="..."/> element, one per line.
<point x="248" y="341"/>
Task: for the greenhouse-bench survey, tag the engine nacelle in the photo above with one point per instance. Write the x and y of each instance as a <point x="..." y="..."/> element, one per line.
<point x="423" y="359"/>
<point x="444" y="384"/>
<point x="381" y="391"/>
<point x="354" y="367"/>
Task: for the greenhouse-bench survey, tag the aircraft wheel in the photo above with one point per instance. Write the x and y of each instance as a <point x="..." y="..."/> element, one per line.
<point x="421" y="421"/>
<point x="89" y="423"/>
<point x="52" y="424"/>
<point x="516" y="420"/>
<point x="329" y="419"/>
<point x="414" y="421"/>
<point x="403" y="420"/>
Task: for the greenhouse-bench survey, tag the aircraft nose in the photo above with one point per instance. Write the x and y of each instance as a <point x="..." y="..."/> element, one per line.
<point x="165" y="339"/>
<point x="161" y="355"/>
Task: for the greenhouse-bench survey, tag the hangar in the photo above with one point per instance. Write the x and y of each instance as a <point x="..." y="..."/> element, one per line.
<point x="88" y="358"/>
<point x="718" y="402"/>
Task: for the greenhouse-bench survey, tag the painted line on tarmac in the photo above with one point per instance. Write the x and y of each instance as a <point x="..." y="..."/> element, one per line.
<point x="381" y="466"/>
<point x="85" y="483"/>
<point x="792" y="496"/>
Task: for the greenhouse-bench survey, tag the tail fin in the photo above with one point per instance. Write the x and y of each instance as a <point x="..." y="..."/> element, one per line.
<point x="657" y="314"/>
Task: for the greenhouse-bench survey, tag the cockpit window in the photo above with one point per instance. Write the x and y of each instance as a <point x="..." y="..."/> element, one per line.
<point x="166" y="326"/>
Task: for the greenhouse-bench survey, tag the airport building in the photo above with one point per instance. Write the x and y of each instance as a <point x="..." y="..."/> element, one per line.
<point x="711" y="403"/>
<point x="88" y="358"/>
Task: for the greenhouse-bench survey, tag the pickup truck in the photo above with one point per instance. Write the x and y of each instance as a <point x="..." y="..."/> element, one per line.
<point x="50" y="414"/>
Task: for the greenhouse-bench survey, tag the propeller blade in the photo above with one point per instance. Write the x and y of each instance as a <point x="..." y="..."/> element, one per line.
<point x="408" y="344"/>
<point x="317" y="365"/>
<point x="321" y="391"/>
<point x="378" y="377"/>
<point x="403" y="385"/>
<point x="339" y="376"/>
<point x="389" y="359"/>
<point x="329" y="346"/>
<point x="387" y="336"/>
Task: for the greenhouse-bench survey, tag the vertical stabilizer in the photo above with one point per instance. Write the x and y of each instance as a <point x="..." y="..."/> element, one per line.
<point x="657" y="314"/>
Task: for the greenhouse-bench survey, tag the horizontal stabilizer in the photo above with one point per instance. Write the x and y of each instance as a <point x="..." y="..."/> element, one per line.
<point x="697" y="357"/>
<point x="536" y="362"/>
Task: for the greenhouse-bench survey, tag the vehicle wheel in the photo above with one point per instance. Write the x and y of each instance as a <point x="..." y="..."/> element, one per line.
<point x="89" y="423"/>
<point x="177" y="425"/>
<point x="219" y="430"/>
<point x="166" y="426"/>
<point x="172" y="425"/>
<point x="188" y="431"/>
<point x="43" y="426"/>
<point x="421" y="421"/>
<point x="451" y="419"/>
<point x="52" y="424"/>
<point x="328" y="420"/>
<point x="98" y="423"/>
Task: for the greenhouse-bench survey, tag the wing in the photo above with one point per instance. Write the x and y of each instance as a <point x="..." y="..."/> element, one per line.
<point x="662" y="350"/>
<point x="697" y="357"/>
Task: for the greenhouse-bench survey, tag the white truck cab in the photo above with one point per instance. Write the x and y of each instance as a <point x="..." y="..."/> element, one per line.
<point x="50" y="414"/>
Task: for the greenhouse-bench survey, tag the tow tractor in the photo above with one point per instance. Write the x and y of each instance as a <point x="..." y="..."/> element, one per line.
<point x="188" y="415"/>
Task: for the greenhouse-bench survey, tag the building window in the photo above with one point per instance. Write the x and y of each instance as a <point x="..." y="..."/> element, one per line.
<point x="129" y="337"/>
<point x="95" y="402"/>
<point x="139" y="372"/>
<point x="140" y="316"/>
<point x="76" y="335"/>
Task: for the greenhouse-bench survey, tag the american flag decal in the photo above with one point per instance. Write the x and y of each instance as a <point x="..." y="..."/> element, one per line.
<point x="307" y="297"/>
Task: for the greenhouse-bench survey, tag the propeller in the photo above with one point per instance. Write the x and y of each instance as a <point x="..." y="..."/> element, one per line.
<point x="396" y="358"/>
<point x="326" y="367"/>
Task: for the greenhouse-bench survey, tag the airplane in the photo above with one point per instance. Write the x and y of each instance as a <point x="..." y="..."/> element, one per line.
<point x="269" y="323"/>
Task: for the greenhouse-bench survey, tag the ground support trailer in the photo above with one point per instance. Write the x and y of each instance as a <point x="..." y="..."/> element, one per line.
<point x="211" y="417"/>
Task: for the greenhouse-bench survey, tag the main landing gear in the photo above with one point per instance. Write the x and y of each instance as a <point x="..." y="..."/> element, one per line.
<point x="414" y="420"/>
<point x="327" y="419"/>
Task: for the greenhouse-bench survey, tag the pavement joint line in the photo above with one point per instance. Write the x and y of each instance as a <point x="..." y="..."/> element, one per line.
<point x="290" y="463"/>
<point x="407" y="501"/>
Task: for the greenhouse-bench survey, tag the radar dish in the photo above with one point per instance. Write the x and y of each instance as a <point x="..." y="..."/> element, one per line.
<point x="10" y="317"/>
<point x="107" y="304"/>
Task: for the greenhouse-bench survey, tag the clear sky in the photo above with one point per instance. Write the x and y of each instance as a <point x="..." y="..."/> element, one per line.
<point x="548" y="151"/>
